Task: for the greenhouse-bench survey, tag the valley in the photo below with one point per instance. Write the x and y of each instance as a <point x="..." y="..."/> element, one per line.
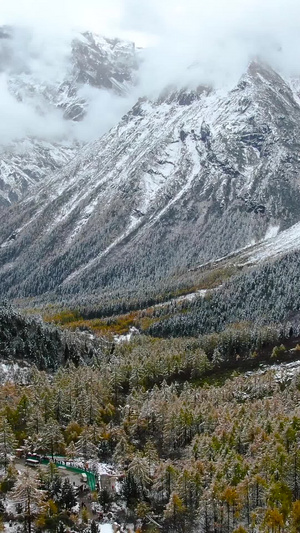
<point x="150" y="311"/>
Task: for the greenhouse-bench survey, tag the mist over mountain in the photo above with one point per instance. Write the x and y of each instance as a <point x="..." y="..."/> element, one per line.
<point x="202" y="160"/>
<point x="53" y="79"/>
<point x="149" y="265"/>
<point x="55" y="99"/>
<point x="184" y="179"/>
<point x="62" y="86"/>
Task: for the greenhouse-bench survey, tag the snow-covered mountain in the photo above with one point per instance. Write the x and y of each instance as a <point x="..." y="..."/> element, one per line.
<point x="188" y="178"/>
<point x="25" y="163"/>
<point x="87" y="61"/>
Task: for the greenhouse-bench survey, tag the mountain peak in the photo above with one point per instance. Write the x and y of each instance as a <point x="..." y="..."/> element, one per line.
<point x="89" y="60"/>
<point x="182" y="180"/>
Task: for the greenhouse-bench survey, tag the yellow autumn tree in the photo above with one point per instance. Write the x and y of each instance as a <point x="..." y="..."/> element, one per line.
<point x="274" y="520"/>
<point x="295" y="517"/>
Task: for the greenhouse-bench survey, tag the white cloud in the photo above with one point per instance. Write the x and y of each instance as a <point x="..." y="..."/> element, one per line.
<point x="19" y="120"/>
<point x="104" y="110"/>
<point x="220" y="36"/>
<point x="34" y="62"/>
<point x="215" y="30"/>
<point x="217" y="37"/>
<point x="62" y="15"/>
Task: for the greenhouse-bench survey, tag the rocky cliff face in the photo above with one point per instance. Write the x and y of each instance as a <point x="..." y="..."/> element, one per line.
<point x="182" y="180"/>
<point x="88" y="60"/>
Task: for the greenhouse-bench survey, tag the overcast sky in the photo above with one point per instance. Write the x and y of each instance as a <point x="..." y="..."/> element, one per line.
<point x="149" y="21"/>
<point x="218" y="37"/>
<point x="221" y="35"/>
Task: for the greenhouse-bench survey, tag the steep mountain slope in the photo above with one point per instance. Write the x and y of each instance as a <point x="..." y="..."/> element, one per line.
<point x="272" y="248"/>
<point x="89" y="60"/>
<point x="188" y="178"/>
<point x="25" y="163"/>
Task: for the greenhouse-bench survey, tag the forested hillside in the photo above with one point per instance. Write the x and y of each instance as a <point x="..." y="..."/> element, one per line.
<point x="197" y="303"/>
<point x="264" y="295"/>
<point x="48" y="347"/>
<point x="209" y="458"/>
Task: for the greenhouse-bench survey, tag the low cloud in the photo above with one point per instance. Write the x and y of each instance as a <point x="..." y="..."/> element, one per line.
<point x="33" y="65"/>
<point x="217" y="38"/>
<point x="27" y="119"/>
<point x="19" y="119"/>
<point x="105" y="109"/>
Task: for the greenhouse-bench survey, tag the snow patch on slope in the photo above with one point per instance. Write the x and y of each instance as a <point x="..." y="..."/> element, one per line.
<point x="272" y="232"/>
<point x="284" y="242"/>
<point x="13" y="372"/>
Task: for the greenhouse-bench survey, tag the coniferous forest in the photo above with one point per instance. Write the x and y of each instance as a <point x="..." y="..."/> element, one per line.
<point x="198" y="410"/>
<point x="149" y="269"/>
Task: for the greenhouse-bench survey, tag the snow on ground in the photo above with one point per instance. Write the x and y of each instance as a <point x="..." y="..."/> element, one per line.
<point x="93" y="465"/>
<point x="284" y="242"/>
<point x="191" y="296"/>
<point x="272" y="232"/>
<point x="282" y="371"/>
<point x="287" y="371"/>
<point x="126" y="338"/>
<point x="146" y="150"/>
<point x="104" y="468"/>
<point x="15" y="373"/>
<point x="133" y="224"/>
<point x="106" y="528"/>
<point x="84" y="218"/>
<point x="15" y="526"/>
<point x="274" y="245"/>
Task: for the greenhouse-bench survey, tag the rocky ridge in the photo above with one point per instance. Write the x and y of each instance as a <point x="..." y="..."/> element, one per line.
<point x="186" y="179"/>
